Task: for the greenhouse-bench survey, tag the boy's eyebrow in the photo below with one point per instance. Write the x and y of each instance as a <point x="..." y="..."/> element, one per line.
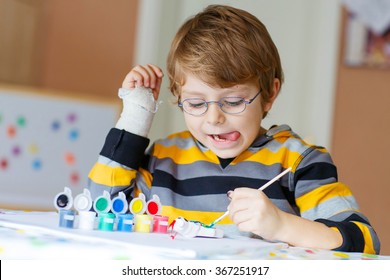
<point x="232" y="90"/>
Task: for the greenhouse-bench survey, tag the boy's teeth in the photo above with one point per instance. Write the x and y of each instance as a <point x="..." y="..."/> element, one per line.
<point x="216" y="137"/>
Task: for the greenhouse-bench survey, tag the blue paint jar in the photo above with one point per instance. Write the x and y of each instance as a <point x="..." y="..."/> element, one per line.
<point x="125" y="222"/>
<point x="66" y="218"/>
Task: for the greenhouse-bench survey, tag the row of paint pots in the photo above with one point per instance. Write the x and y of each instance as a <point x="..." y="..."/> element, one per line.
<point x="87" y="220"/>
<point x="104" y="203"/>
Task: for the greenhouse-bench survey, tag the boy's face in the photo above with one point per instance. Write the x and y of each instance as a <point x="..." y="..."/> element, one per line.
<point x="225" y="134"/>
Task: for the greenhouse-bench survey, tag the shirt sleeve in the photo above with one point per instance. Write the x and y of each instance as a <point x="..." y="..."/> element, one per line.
<point x="118" y="164"/>
<point x="321" y="197"/>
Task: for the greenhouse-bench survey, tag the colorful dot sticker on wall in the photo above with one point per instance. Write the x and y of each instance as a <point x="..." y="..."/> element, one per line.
<point x="69" y="158"/>
<point x="3" y="163"/>
<point x="21" y="121"/>
<point x="36" y="164"/>
<point x="55" y="125"/>
<point x="16" y="150"/>
<point x="33" y="148"/>
<point x="11" y="131"/>
<point x="1" y="118"/>
<point x="73" y="134"/>
<point x="71" y="118"/>
<point x="74" y="177"/>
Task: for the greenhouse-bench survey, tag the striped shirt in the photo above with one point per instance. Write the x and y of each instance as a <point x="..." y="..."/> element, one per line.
<point x="192" y="183"/>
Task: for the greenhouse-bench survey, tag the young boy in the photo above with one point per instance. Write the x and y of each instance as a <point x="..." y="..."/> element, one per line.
<point x="225" y="72"/>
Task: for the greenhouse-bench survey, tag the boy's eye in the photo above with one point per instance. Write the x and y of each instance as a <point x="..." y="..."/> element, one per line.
<point x="232" y="102"/>
<point x="196" y="103"/>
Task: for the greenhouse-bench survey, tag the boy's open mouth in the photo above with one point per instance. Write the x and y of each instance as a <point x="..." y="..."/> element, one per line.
<point x="231" y="136"/>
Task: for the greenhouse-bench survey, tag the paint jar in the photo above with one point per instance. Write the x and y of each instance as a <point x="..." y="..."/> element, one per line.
<point x="102" y="203"/>
<point x="86" y="220"/>
<point x="143" y="223"/>
<point x="67" y="218"/>
<point x="138" y="205"/>
<point x="153" y="206"/>
<point x="125" y="222"/>
<point x="83" y="201"/>
<point x="106" y="221"/>
<point x="160" y="224"/>
<point x="119" y="204"/>
<point x="63" y="200"/>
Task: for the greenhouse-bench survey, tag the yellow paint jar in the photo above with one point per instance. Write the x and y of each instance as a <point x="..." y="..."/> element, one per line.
<point x="143" y="223"/>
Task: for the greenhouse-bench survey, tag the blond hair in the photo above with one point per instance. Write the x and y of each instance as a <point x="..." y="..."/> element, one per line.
<point x="224" y="46"/>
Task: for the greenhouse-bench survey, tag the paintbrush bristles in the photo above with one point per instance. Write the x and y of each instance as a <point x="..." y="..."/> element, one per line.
<point x="218" y="219"/>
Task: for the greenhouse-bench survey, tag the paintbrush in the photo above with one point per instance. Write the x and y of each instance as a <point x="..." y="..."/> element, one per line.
<point x="263" y="187"/>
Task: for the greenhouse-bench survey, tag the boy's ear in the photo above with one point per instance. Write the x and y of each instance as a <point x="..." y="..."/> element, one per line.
<point x="274" y="93"/>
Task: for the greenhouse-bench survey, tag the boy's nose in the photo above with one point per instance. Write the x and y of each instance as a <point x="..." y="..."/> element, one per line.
<point x="214" y="114"/>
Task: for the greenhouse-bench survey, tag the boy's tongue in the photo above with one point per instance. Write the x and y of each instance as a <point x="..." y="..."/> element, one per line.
<point x="231" y="136"/>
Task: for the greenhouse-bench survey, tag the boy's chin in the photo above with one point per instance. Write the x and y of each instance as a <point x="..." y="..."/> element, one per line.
<point x="225" y="154"/>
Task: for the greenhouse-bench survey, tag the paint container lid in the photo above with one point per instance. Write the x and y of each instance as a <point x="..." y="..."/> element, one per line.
<point x="138" y="204"/>
<point x="102" y="204"/>
<point x="83" y="201"/>
<point x="119" y="204"/>
<point x="63" y="200"/>
<point x="153" y="206"/>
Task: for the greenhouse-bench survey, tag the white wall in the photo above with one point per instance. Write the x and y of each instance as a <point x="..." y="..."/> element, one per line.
<point x="306" y="33"/>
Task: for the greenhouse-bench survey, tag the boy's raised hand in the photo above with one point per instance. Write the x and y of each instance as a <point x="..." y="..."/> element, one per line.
<point x="139" y="92"/>
<point x="148" y="76"/>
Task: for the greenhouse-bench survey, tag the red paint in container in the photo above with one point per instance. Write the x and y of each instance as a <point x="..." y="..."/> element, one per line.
<point x="160" y="224"/>
<point x="153" y="206"/>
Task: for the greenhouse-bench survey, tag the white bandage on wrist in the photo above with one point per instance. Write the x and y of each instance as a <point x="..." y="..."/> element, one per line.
<point x="139" y="108"/>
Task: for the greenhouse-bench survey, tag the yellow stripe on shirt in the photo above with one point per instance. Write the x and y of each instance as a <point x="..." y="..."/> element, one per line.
<point x="111" y="176"/>
<point x="268" y="157"/>
<point x="180" y="156"/>
<point x="368" y="243"/>
<point x="200" y="216"/>
<point x="320" y="194"/>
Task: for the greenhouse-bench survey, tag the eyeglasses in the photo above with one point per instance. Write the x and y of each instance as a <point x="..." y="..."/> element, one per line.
<point x="228" y="105"/>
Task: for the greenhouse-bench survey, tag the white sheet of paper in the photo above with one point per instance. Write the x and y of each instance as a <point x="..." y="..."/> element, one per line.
<point x="146" y="244"/>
